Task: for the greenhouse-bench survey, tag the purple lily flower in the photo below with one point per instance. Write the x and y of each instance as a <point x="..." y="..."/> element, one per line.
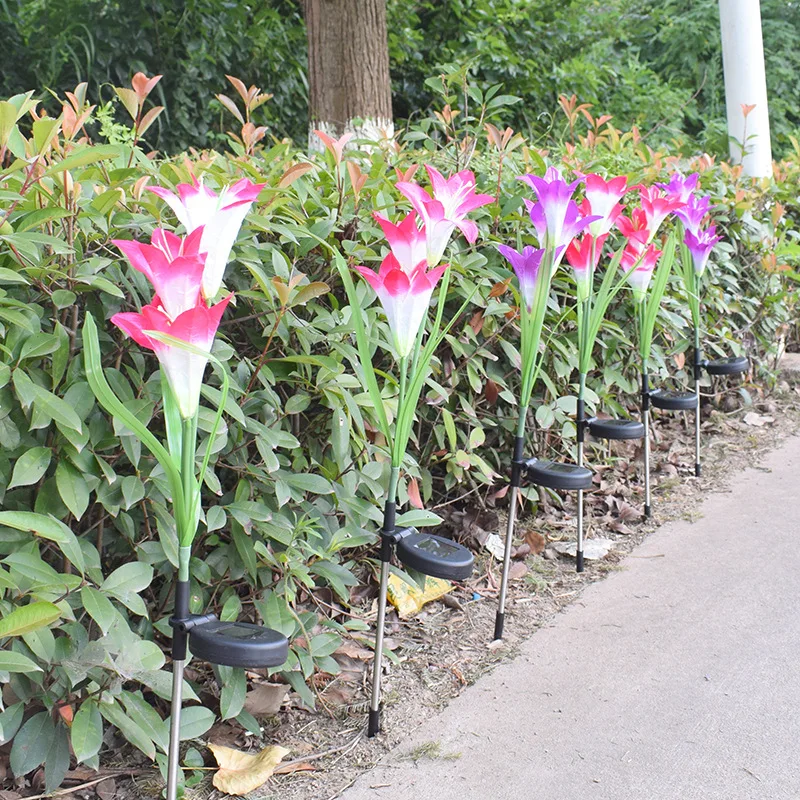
<point x="700" y="246"/>
<point x="681" y="187"/>
<point x="693" y="213"/>
<point x="556" y="215"/>
<point x="526" y="264"/>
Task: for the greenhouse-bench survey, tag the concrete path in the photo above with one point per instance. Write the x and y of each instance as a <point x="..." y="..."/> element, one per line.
<point x="677" y="678"/>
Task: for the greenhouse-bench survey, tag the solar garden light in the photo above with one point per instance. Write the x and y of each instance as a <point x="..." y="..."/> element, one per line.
<point x="591" y="307"/>
<point x="648" y="304"/>
<point x="179" y="325"/>
<point x="698" y="241"/>
<point x="235" y="644"/>
<point x="404" y="284"/>
<point x="557" y="220"/>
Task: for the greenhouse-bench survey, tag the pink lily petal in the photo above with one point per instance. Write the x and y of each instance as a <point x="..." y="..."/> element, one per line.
<point x="184" y="370"/>
<point x="453" y="198"/>
<point x="221" y="217"/>
<point x="404" y="297"/>
<point x="406" y="241"/>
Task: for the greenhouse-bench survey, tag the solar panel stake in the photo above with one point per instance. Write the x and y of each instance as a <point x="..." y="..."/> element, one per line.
<point x="231" y="644"/>
<point x="426" y="553"/>
<point x="646" y="420"/>
<point x="698" y="371"/>
<point x="387" y="547"/>
<point x="581" y="420"/>
<point x="697" y="469"/>
<point x="179" y="642"/>
<point x="516" y="481"/>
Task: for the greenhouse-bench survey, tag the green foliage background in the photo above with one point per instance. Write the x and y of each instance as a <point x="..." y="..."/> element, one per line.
<point x="656" y="65"/>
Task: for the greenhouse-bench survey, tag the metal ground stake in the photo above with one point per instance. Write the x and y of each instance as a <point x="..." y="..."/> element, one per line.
<point x="374" y="724"/>
<point x="516" y="480"/>
<point x="646" y="420"/>
<point x="179" y="648"/>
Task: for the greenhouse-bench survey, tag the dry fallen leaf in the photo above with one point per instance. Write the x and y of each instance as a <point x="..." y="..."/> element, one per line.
<point x="240" y="773"/>
<point x="302" y="766"/>
<point x="535" y="541"/>
<point x="265" y="700"/>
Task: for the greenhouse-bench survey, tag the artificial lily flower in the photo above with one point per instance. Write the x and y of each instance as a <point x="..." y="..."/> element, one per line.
<point x="453" y="198"/>
<point x="601" y="199"/>
<point x="526" y="264"/>
<point x="406" y="241"/>
<point x="405" y="297"/>
<point x="680" y="187"/>
<point x="656" y="208"/>
<point x="645" y="261"/>
<point x="580" y="256"/>
<point x="221" y="216"/>
<point x="693" y="213"/>
<point x="700" y="246"/>
<point x="173" y="265"/>
<point x="556" y="215"/>
<point x="634" y="228"/>
<point x="184" y="370"/>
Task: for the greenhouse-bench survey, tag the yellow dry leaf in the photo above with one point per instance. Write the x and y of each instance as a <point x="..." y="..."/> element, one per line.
<point x="408" y="599"/>
<point x="240" y="773"/>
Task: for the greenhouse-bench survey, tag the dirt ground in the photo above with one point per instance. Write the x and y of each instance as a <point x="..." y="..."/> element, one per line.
<point x="448" y="646"/>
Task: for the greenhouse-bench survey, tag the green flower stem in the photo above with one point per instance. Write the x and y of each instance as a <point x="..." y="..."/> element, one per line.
<point x="184" y="554"/>
<point x="644" y="351"/>
<point x="190" y="487"/>
<point x="421" y="370"/>
<point x="394" y="478"/>
<point x="397" y="455"/>
<point x="651" y="303"/>
<point x="523" y="416"/>
<point x="583" y="309"/>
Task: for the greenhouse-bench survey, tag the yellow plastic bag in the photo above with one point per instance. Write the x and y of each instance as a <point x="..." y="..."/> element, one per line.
<point x="408" y="599"/>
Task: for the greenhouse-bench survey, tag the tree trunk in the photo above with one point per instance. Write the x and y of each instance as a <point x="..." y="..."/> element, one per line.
<point x="348" y="69"/>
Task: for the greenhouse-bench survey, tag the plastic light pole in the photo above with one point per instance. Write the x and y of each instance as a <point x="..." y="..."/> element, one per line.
<point x="746" y="85"/>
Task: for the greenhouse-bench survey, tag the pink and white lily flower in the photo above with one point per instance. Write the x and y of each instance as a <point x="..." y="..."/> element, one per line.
<point x="657" y="208"/>
<point x="453" y="198"/>
<point x="645" y="262"/>
<point x="634" y="228"/>
<point x="173" y="265"/>
<point x="405" y="297"/>
<point x="579" y="257"/>
<point x="184" y="370"/>
<point x="406" y="241"/>
<point x="601" y="199"/>
<point x="220" y="215"/>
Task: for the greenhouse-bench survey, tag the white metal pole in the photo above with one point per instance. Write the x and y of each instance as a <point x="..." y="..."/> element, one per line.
<point x="746" y="86"/>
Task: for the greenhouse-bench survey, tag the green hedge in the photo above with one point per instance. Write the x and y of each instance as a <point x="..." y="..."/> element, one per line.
<point x="298" y="472"/>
